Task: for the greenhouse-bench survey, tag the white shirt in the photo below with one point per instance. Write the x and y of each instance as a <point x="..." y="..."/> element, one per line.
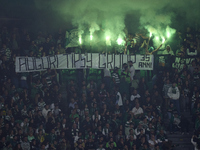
<point x="107" y="73"/>
<point x="45" y="112"/>
<point x="195" y="144"/>
<point x="137" y="131"/>
<point x="137" y="111"/>
<point x="132" y="72"/>
<point x="120" y="103"/>
<point x="134" y="96"/>
<point x="173" y="93"/>
<point x="165" y="52"/>
<point x="152" y="142"/>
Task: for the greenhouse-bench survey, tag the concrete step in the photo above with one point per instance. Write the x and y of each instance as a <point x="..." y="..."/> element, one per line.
<point x="184" y="141"/>
<point x="179" y="135"/>
<point x="184" y="147"/>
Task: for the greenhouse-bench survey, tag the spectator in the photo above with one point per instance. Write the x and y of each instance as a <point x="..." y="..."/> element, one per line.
<point x="116" y="77"/>
<point x="25" y="144"/>
<point x="133" y="97"/>
<point x="152" y="142"/>
<point x="195" y="142"/>
<point x="137" y="111"/>
<point x="174" y="94"/>
<point x="45" y="111"/>
<point x="131" y="69"/>
<point x="91" y="117"/>
<point x="168" y="50"/>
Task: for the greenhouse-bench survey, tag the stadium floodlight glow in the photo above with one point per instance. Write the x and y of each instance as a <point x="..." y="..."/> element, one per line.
<point x="157" y="38"/>
<point x="91" y="36"/>
<point x="119" y="41"/>
<point x="163" y="39"/>
<point x="150" y="34"/>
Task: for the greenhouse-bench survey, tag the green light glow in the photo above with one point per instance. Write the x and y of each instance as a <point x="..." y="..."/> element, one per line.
<point x="163" y="39"/>
<point x="119" y="41"/>
<point x="107" y="38"/>
<point x="91" y="37"/>
<point x="157" y="38"/>
<point x="150" y="34"/>
<point x="168" y="34"/>
<point x="80" y="40"/>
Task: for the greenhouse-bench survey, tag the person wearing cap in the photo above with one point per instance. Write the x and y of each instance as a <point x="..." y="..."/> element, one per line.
<point x="168" y="58"/>
<point x="168" y="51"/>
<point x="174" y="95"/>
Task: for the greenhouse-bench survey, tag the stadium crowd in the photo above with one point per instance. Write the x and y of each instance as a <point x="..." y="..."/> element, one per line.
<point x="121" y="113"/>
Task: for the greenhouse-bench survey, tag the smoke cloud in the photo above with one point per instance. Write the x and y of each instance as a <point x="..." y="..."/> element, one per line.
<point x="157" y="16"/>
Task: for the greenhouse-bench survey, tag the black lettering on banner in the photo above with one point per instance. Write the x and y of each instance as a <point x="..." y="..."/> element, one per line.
<point x="21" y="64"/>
<point x="145" y="58"/>
<point x="32" y="64"/>
<point x="48" y="62"/>
<point x="89" y="60"/>
<point x="145" y="65"/>
<point x="133" y="60"/>
<point x="104" y="64"/>
<point x="67" y="60"/>
<point x="72" y="60"/>
<point x="109" y="63"/>
<point x="149" y="64"/>
<point x="52" y="62"/>
<point x="75" y="61"/>
<point x="82" y="59"/>
<point x="40" y="65"/>
<point x="140" y="65"/>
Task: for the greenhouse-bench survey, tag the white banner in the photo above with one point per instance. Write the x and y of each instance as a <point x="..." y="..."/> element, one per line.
<point x="81" y="61"/>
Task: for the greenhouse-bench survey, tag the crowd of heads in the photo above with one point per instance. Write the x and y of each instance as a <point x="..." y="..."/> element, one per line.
<point x="119" y="111"/>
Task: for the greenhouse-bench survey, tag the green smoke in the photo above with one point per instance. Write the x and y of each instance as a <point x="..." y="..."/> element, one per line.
<point x="94" y="15"/>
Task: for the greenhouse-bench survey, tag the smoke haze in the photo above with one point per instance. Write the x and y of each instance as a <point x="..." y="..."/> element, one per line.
<point x="112" y="14"/>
